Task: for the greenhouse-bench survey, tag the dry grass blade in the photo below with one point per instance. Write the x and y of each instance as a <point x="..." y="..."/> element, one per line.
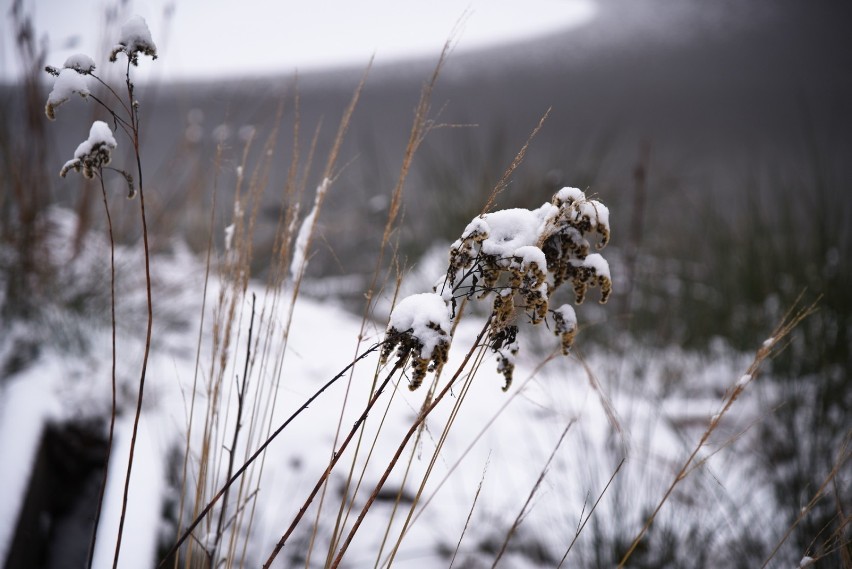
<point x="519" y="157"/>
<point x="411" y="431"/>
<point x="339" y="453"/>
<point x="843" y="457"/>
<point x="236" y="476"/>
<point x="524" y="509"/>
<point x="591" y="512"/>
<point x="470" y="513"/>
<point x="779" y="335"/>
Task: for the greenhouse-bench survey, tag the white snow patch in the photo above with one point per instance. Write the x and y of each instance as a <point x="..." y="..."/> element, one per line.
<point x="300" y="262"/>
<point x="25" y="407"/>
<point x="80" y="62"/>
<point x="135" y="36"/>
<point x="567" y="194"/>
<point x="597" y="263"/>
<point x="511" y="229"/>
<point x="67" y="84"/>
<point x="416" y="313"/>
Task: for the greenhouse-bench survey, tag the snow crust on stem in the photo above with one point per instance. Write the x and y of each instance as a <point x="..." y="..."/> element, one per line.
<point x="299" y="263"/>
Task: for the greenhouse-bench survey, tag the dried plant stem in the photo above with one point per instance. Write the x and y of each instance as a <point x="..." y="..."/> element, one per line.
<point x="519" y="157"/>
<point x="517" y="523"/>
<point x="462" y="396"/>
<point x="470" y="513"/>
<point x="112" y="409"/>
<point x="135" y="124"/>
<point x="591" y="512"/>
<point x="843" y="457"/>
<point x="420" y="127"/>
<point x="336" y="457"/>
<point x="412" y="429"/>
<point x="790" y="321"/>
<point x="236" y="476"/>
<point x="241" y="395"/>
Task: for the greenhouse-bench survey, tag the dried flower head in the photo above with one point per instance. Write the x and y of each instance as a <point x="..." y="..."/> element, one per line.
<point x="94" y="153"/>
<point x="81" y="63"/>
<point x="135" y="38"/>
<point x="68" y="82"/>
<point x="419" y="327"/>
<point x="523" y="257"/>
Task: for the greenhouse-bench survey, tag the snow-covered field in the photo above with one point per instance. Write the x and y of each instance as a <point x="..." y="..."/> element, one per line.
<point x="648" y="408"/>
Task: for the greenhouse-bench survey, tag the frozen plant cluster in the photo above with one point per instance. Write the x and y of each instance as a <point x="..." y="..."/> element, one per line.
<point x="93" y="153"/>
<point x="135" y="38"/>
<point x="519" y="257"/>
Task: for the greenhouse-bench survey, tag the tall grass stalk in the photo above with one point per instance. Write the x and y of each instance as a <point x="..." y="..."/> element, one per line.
<point x="778" y="338"/>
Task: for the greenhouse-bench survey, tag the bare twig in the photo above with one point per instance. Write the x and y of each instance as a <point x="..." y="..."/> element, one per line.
<point x="258" y="452"/>
<point x="470" y="513"/>
<point x="412" y="429"/>
<point x="533" y="492"/>
<point x="336" y="457"/>
<point x="790" y="321"/>
<point x="134" y="116"/>
<point x="112" y="410"/>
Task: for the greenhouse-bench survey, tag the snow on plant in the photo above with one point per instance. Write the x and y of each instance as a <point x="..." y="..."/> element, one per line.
<point x="68" y="82"/>
<point x="135" y="38"/>
<point x="94" y="153"/>
<point x="419" y="327"/>
<point x="521" y="258"/>
<point x="91" y="158"/>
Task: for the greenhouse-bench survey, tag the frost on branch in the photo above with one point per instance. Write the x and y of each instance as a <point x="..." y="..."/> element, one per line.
<point x="419" y="326"/>
<point x="68" y="82"/>
<point x="92" y="154"/>
<point x="135" y="38"/>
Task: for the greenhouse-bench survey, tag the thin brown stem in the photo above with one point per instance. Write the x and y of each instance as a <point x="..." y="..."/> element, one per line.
<point x="412" y="429"/>
<point x="236" y="476"/>
<point x="525" y="508"/>
<point x="134" y="119"/>
<point x="335" y="458"/>
<point x="112" y="409"/>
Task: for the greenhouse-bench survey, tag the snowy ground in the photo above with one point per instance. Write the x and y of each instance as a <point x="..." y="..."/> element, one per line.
<point x="660" y="403"/>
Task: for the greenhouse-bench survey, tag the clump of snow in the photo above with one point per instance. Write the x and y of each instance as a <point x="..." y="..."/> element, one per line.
<point x="529" y="255"/>
<point x="300" y="261"/>
<point x="598" y="264"/>
<point x="568" y="195"/>
<point x="135" y="38"/>
<point x="806" y="561"/>
<point x="426" y="316"/>
<point x="93" y="153"/>
<point x="744" y="380"/>
<point x="511" y="229"/>
<point x="81" y="63"/>
<point x="68" y="82"/>
<point x="420" y="326"/>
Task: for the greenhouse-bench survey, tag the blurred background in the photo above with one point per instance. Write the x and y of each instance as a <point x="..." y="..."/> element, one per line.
<point x="719" y="135"/>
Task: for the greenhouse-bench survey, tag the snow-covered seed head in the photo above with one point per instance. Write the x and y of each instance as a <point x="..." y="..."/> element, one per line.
<point x="522" y="257"/>
<point x="419" y="327"/>
<point x="135" y="38"/>
<point x="565" y="326"/>
<point x="94" y="153"/>
<point x="81" y="63"/>
<point x="68" y="82"/>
